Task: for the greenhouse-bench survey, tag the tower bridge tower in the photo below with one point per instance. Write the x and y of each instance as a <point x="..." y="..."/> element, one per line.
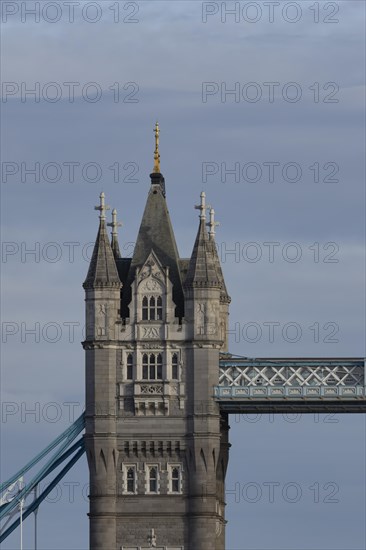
<point x="156" y="441"/>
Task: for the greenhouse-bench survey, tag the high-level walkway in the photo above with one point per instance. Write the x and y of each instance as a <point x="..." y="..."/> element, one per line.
<point x="291" y="384"/>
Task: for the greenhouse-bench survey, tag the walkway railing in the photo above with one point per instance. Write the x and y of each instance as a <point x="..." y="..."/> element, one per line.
<point x="249" y="380"/>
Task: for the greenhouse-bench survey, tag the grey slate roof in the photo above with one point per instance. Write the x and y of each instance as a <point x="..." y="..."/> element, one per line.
<point x="203" y="266"/>
<point x="156" y="233"/>
<point x="102" y="269"/>
<point x="224" y="296"/>
<point x="115" y="247"/>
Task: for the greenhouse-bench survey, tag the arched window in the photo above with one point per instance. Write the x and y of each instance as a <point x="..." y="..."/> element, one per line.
<point x="145" y="309"/>
<point x="175" y="480"/>
<point x="131" y="480"/>
<point x="159" y="308"/>
<point x="159" y="367"/>
<point x="153" y="479"/>
<point x="152" y="366"/>
<point x="130" y="366"/>
<point x="152" y="308"/>
<point x="175" y="366"/>
<point x="145" y="367"/>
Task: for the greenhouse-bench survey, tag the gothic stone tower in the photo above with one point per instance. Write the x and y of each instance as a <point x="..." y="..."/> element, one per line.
<point x="157" y="444"/>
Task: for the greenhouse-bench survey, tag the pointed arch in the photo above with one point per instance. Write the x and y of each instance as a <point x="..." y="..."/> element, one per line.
<point x="91" y="460"/>
<point x="153" y="479"/>
<point x="159" y="308"/>
<point x="152" y="366"/>
<point x="131" y="480"/>
<point x="129" y="373"/>
<point x="175" y="373"/>
<point x="152" y="308"/>
<point x="159" y="367"/>
<point x="145" y="366"/>
<point x="152" y="303"/>
<point x="145" y="308"/>
<point x="202" y="454"/>
<point x="103" y="459"/>
<point x="175" y="488"/>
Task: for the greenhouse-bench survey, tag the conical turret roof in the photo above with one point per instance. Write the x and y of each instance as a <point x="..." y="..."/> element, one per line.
<point x="102" y="269"/>
<point x="202" y="270"/>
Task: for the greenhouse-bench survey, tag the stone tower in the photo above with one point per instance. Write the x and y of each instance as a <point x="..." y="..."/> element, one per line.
<point x="157" y="444"/>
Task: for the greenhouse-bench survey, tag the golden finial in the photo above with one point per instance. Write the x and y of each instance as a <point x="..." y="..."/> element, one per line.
<point x="156" y="169"/>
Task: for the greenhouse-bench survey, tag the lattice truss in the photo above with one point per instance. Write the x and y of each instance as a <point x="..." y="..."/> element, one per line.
<point x="291" y="375"/>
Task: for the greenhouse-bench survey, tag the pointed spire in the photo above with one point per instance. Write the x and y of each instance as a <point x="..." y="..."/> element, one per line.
<point x="114" y="242"/>
<point x="156" y="176"/>
<point x="156" y="169"/>
<point x="202" y="269"/>
<point x="212" y="224"/>
<point x="202" y="206"/>
<point x="224" y="296"/>
<point x="102" y="269"/>
<point x="156" y="233"/>
<point x="102" y="206"/>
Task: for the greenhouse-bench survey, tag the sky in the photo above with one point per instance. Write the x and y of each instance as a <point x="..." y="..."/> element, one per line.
<point x="263" y="109"/>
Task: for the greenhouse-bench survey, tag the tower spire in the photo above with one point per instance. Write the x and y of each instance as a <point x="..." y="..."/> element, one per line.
<point x="102" y="207"/>
<point x="202" y="206"/>
<point x="102" y="269"/>
<point x="114" y="225"/>
<point x="212" y="224"/>
<point x="156" y="169"/>
<point x="202" y="268"/>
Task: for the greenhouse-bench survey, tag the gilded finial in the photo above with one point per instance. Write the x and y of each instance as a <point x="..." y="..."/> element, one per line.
<point x="156" y="169"/>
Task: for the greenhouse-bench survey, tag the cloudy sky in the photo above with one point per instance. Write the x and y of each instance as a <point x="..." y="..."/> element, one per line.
<point x="262" y="108"/>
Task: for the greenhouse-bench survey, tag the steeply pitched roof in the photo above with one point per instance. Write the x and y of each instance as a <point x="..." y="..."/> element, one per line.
<point x="156" y="233"/>
<point x="102" y="269"/>
<point x="202" y="270"/>
<point x="115" y="247"/>
<point x="224" y="296"/>
<point x="114" y="242"/>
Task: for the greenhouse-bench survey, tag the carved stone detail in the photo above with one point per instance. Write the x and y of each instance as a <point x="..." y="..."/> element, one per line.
<point x="151" y="332"/>
<point x="174" y="389"/>
<point x="152" y="389"/>
<point x="102" y="320"/>
<point x="152" y="346"/>
<point x="153" y="271"/>
<point x="151" y="285"/>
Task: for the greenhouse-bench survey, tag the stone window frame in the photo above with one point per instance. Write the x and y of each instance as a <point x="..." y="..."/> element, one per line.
<point x="125" y="470"/>
<point x="130" y="365"/>
<point x="149" y="365"/>
<point x="152" y="307"/>
<point x="171" y="467"/>
<point x="176" y="365"/>
<point x="148" y="467"/>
